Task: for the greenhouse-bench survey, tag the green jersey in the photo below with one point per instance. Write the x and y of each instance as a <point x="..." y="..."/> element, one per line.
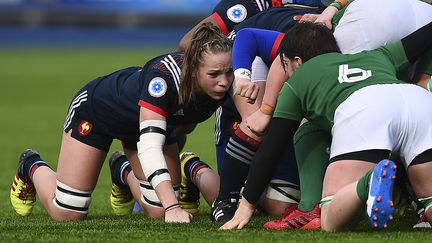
<point x="320" y="85"/>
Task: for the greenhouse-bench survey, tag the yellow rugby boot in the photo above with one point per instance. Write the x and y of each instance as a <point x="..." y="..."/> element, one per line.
<point x="189" y="193"/>
<point x="121" y="198"/>
<point x="23" y="193"/>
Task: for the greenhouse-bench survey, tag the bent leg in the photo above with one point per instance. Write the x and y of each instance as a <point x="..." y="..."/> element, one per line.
<point x="79" y="166"/>
<point x="151" y="202"/>
<point x="420" y="179"/>
<point x="340" y="181"/>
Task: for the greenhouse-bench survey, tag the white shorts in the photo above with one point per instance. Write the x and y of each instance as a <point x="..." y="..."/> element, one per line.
<point x="369" y="24"/>
<point x="395" y="117"/>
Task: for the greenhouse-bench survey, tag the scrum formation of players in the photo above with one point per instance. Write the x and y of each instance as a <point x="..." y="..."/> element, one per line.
<point x="323" y="100"/>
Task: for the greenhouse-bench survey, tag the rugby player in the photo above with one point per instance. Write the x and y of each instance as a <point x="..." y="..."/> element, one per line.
<point x="141" y="106"/>
<point x="329" y="89"/>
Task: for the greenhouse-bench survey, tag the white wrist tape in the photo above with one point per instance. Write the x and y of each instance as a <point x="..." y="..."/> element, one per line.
<point x="150" y="151"/>
<point x="242" y="73"/>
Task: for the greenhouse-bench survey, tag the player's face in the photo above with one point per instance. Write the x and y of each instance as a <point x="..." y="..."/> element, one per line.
<point x="215" y="75"/>
<point x="291" y="65"/>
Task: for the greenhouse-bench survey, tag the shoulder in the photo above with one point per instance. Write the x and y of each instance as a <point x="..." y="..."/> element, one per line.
<point x="241" y="8"/>
<point x="169" y="64"/>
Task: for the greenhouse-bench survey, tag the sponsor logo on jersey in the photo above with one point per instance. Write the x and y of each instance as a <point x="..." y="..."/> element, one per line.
<point x="84" y="128"/>
<point x="157" y="87"/>
<point x="237" y="13"/>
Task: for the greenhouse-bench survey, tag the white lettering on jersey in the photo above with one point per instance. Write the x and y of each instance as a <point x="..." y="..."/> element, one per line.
<point x="351" y="75"/>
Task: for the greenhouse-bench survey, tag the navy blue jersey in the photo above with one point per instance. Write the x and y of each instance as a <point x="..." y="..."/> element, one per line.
<point x="279" y="19"/>
<point x="116" y="98"/>
<point x="230" y="13"/>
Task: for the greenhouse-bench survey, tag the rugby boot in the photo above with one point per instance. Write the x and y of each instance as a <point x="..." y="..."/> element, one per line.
<point x="121" y="198"/>
<point x="223" y="210"/>
<point x="422" y="222"/>
<point x="380" y="207"/>
<point x="23" y="193"/>
<point x="294" y="218"/>
<point x="189" y="193"/>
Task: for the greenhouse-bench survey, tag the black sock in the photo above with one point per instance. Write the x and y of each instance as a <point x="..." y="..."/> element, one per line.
<point x="235" y="166"/>
<point x="31" y="164"/>
<point x="121" y="171"/>
<point x="192" y="167"/>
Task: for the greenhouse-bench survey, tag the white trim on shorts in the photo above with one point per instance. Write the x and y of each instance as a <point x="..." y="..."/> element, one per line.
<point x="76" y="102"/>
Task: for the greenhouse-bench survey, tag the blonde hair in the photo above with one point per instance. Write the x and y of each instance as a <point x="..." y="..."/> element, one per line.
<point x="206" y="39"/>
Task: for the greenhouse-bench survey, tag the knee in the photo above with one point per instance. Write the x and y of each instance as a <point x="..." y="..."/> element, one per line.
<point x="275" y="207"/>
<point x="63" y="215"/>
<point x="326" y="224"/>
<point x="154" y="213"/>
<point x="69" y="204"/>
<point x="279" y="195"/>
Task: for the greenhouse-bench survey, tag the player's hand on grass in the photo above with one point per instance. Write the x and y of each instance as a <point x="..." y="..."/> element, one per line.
<point x="241" y="217"/>
<point x="246" y="88"/>
<point x="258" y="122"/>
<point x="178" y="215"/>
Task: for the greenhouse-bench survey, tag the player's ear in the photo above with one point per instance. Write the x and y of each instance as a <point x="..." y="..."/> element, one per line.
<point x="297" y="61"/>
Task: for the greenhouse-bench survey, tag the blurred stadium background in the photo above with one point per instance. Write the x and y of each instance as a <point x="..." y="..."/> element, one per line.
<point x="48" y="50"/>
<point x="28" y="22"/>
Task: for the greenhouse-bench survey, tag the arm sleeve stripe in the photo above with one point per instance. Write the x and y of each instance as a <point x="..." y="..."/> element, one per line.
<point x="154" y="108"/>
<point x="153" y="129"/>
<point x="276" y="46"/>
<point x="156" y="173"/>
<point x="220" y="23"/>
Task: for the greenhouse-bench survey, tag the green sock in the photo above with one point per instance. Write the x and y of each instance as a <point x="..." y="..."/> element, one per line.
<point x="311" y="145"/>
<point x="363" y="186"/>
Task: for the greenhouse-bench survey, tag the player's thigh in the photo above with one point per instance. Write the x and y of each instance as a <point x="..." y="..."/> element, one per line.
<point x="342" y="173"/>
<point x="79" y="164"/>
<point x="419" y="176"/>
<point x="172" y="159"/>
<point x="132" y="156"/>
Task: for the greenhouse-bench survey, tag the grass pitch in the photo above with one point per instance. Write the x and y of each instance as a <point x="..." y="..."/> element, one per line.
<point x="38" y="85"/>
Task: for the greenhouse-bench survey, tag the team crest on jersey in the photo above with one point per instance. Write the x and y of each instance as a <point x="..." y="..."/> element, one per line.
<point x="84" y="128"/>
<point x="237" y="13"/>
<point x="157" y="87"/>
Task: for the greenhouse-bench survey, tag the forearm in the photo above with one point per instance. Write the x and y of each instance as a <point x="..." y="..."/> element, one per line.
<point x="275" y="80"/>
<point x="279" y="136"/>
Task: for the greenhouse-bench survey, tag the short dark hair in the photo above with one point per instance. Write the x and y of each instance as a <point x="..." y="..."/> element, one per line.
<point x="307" y="40"/>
